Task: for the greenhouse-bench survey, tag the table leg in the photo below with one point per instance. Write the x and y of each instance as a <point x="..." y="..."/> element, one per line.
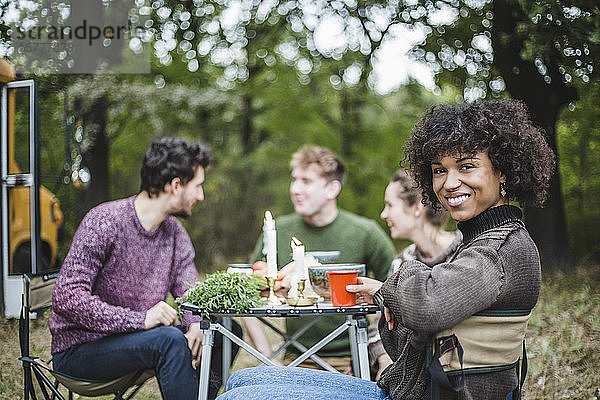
<point x="207" y="345"/>
<point x="362" y="341"/>
<point x="242" y="344"/>
<point x="291" y="341"/>
<point x="353" y="345"/>
<point x="320" y="344"/>
<point x="226" y="350"/>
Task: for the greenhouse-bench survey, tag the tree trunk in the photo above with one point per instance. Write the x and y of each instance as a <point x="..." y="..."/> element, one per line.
<point x="96" y="156"/>
<point x="545" y="100"/>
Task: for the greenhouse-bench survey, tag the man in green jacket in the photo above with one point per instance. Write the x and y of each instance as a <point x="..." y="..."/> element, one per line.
<point x="317" y="179"/>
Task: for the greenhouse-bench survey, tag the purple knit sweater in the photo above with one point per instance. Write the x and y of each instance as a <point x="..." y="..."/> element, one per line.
<point x="115" y="271"/>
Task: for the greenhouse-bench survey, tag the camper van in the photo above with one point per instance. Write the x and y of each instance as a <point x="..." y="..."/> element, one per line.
<point x="31" y="214"/>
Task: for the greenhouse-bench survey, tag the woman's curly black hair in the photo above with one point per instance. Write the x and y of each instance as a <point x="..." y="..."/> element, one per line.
<point x="169" y="158"/>
<point x="516" y="146"/>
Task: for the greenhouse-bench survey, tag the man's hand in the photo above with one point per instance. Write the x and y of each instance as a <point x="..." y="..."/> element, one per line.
<point x="160" y="314"/>
<point x="365" y="289"/>
<point x="194" y="339"/>
<point x="260" y="268"/>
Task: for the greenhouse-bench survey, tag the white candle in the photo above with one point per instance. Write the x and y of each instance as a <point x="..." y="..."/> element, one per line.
<point x="298" y="255"/>
<point x="271" y="238"/>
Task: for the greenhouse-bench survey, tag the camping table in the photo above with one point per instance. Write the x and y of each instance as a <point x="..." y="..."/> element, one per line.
<point x="356" y="323"/>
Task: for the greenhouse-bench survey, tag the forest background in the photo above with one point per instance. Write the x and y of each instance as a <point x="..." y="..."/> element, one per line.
<point x="255" y="81"/>
<point x="258" y="79"/>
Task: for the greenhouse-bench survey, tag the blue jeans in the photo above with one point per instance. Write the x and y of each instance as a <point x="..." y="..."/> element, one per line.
<point x="299" y="384"/>
<point x="163" y="349"/>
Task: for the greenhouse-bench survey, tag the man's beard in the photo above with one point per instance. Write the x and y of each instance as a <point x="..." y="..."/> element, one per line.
<point x="181" y="214"/>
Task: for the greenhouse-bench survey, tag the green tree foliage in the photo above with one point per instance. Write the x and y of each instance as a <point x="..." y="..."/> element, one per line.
<point x="534" y="50"/>
<point x="242" y="186"/>
<point x="256" y="80"/>
<point x="531" y="49"/>
<point x="290" y="93"/>
<point x="578" y="135"/>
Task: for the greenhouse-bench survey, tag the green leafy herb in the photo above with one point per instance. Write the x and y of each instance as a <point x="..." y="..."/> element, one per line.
<point x="224" y="291"/>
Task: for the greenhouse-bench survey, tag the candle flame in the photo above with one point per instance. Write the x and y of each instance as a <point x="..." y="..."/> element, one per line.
<point x="268" y="216"/>
<point x="295" y="242"/>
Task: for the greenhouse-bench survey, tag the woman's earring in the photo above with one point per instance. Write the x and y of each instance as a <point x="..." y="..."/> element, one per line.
<point x="503" y="189"/>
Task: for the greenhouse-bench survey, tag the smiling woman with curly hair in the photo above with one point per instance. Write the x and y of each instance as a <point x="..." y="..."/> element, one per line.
<point x="470" y="160"/>
<point x="454" y="330"/>
<point x="513" y="143"/>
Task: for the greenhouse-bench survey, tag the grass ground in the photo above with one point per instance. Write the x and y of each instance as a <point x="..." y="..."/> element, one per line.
<point x="562" y="344"/>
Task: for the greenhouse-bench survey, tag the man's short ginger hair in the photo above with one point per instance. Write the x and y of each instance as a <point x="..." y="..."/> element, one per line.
<point x="331" y="166"/>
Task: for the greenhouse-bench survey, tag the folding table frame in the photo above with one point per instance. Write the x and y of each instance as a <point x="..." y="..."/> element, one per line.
<point x="356" y="324"/>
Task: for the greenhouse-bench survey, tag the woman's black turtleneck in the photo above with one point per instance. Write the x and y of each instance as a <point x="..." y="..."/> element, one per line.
<point x="489" y="219"/>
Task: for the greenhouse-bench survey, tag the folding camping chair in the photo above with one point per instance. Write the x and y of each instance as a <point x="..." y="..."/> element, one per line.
<point x="37" y="297"/>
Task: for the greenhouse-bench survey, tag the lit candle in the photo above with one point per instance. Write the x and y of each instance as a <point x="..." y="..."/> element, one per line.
<point x="271" y="238"/>
<point x="298" y="255"/>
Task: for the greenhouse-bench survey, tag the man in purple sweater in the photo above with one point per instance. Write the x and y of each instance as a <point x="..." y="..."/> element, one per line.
<point x="108" y="311"/>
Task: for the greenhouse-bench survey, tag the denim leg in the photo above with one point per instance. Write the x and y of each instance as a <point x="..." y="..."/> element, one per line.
<point x="298" y="383"/>
<point x="163" y="349"/>
<point x="296" y="392"/>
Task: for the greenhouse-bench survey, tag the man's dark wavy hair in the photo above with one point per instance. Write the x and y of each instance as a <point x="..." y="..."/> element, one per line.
<point x="170" y="158"/>
<point x="515" y="145"/>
